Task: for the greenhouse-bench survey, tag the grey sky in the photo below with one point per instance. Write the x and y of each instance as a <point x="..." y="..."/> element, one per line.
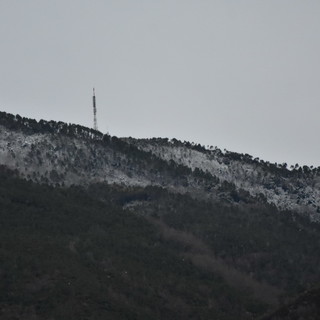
<point x="241" y="75"/>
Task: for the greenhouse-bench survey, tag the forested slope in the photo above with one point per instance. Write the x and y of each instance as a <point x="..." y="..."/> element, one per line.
<point x="141" y="253"/>
<point x="66" y="254"/>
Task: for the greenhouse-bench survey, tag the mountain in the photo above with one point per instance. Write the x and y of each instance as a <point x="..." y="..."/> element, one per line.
<point x="96" y="227"/>
<point x="55" y="152"/>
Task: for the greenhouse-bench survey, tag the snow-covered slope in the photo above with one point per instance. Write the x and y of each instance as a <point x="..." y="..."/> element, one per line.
<point x="58" y="153"/>
<point x="292" y="190"/>
<point x="60" y="159"/>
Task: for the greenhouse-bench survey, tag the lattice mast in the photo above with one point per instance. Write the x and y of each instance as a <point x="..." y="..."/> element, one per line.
<point x="95" y="123"/>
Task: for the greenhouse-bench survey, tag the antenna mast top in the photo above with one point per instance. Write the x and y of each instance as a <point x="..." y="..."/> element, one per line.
<point x="95" y="124"/>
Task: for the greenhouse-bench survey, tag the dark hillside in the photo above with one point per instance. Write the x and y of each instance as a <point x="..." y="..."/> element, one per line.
<point x="306" y="307"/>
<point x="65" y="254"/>
<point x="274" y="247"/>
<point x="144" y="253"/>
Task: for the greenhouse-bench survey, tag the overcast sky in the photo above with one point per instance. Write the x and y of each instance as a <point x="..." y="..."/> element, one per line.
<point x="238" y="74"/>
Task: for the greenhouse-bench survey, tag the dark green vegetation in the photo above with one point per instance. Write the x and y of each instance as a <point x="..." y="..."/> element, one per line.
<point x="108" y="252"/>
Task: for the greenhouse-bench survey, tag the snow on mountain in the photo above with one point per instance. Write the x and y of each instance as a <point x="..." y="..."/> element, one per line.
<point x="58" y="153"/>
<point x="288" y="190"/>
<point x="60" y="159"/>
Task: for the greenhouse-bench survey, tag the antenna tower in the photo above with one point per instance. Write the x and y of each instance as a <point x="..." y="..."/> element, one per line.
<point x="95" y="124"/>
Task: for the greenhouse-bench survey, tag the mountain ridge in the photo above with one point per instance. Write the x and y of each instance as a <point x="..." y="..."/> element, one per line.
<point x="56" y="152"/>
